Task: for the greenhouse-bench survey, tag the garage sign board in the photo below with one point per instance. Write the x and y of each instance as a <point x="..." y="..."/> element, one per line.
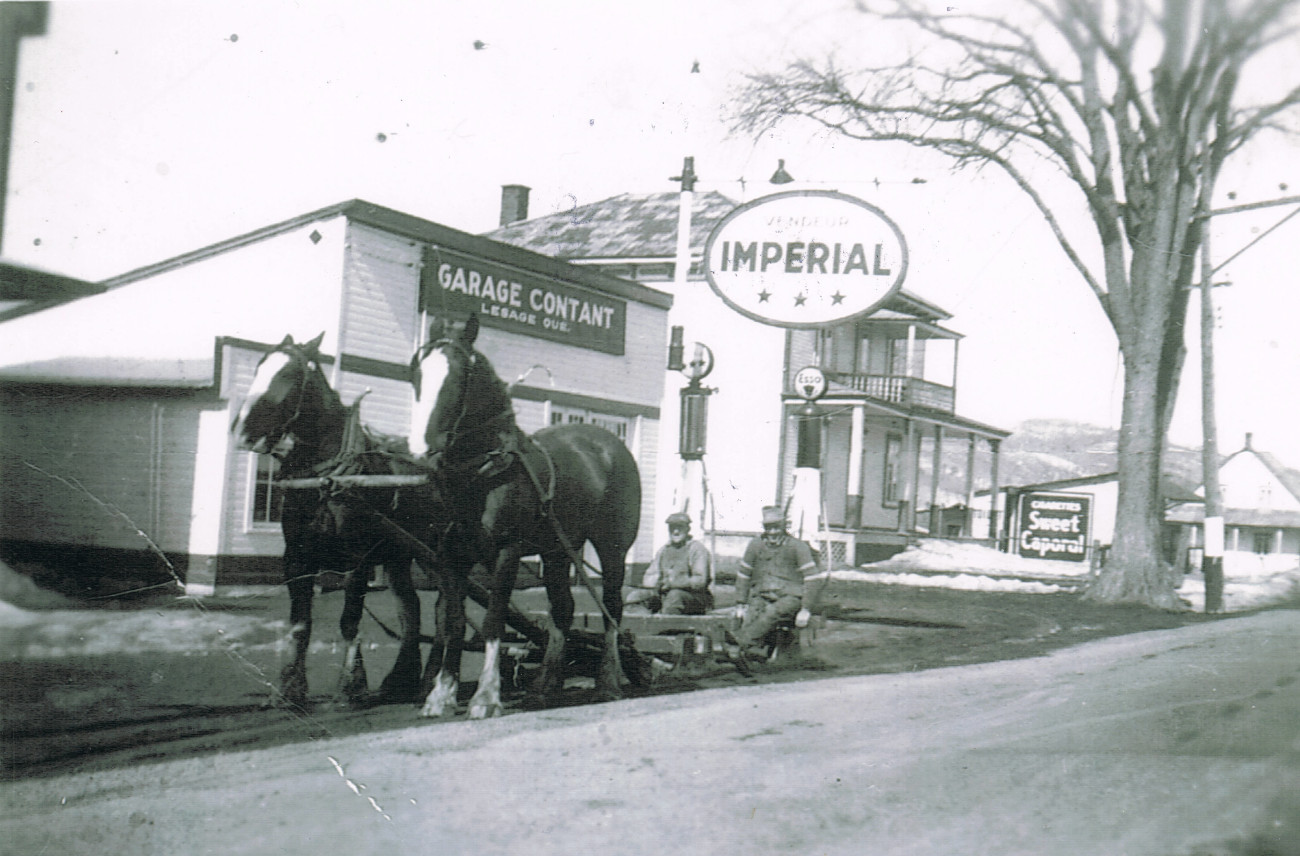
<point x="805" y="258"/>
<point x="1054" y="526"/>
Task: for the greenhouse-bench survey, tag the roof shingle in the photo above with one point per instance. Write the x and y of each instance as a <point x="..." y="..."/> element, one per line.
<point x="627" y="226"/>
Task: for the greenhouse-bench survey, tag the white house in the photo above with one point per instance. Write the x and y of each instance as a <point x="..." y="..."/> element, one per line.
<point x="1261" y="515"/>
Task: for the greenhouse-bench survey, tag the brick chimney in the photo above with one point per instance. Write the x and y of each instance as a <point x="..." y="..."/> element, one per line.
<point x="514" y="203"/>
<point x="1249" y="437"/>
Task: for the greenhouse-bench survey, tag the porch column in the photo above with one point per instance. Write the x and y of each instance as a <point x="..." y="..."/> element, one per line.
<point x="967" y="520"/>
<point x="853" y="503"/>
<point x="935" y="460"/>
<point x="994" y="494"/>
<point x="912" y="458"/>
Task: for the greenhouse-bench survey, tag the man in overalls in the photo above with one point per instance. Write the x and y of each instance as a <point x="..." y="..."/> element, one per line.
<point x="774" y="583"/>
<point x="678" y="578"/>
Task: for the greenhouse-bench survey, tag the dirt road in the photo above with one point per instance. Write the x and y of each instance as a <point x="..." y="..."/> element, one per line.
<point x="1173" y="742"/>
<point x="94" y="690"/>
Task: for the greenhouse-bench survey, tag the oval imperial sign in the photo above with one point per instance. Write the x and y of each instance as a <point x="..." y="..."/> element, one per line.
<point x="805" y="258"/>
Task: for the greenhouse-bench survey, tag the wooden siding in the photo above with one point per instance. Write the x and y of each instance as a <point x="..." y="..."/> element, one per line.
<point x="95" y="468"/>
<point x="636" y="377"/>
<point x="381" y="287"/>
<point x="386" y="407"/>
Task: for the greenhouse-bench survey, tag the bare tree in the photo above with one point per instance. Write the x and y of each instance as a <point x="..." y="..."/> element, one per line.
<point x="1140" y="154"/>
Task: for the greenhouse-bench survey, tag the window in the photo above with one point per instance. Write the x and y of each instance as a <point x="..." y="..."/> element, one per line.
<point x="616" y="425"/>
<point x="891" y="493"/>
<point x="1263" y="543"/>
<point x="264" y="510"/>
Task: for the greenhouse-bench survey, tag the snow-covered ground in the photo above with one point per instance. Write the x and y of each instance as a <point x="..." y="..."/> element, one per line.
<point x="949" y="564"/>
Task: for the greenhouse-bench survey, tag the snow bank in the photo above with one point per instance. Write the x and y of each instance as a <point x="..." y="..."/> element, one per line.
<point x="965" y="582"/>
<point x="958" y="557"/>
<point x="1251" y="581"/>
<point x="51" y="634"/>
<point x="19" y="590"/>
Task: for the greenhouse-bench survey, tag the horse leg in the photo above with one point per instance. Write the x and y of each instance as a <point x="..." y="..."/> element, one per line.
<point x="352" y="677"/>
<point x="403" y="683"/>
<point x="487" y="698"/>
<point x="555" y="573"/>
<point x="438" y="649"/>
<point x="441" y="701"/>
<point x="608" y="684"/>
<point x="293" y="678"/>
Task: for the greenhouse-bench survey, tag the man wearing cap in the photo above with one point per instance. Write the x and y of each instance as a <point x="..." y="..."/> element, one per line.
<point x="774" y="582"/>
<point x="677" y="579"/>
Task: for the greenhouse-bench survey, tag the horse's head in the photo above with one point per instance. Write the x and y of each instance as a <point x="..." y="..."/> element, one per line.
<point x="460" y="402"/>
<point x="286" y="398"/>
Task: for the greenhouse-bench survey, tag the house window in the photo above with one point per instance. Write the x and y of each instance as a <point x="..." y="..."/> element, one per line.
<point x="891" y="492"/>
<point x="616" y="425"/>
<point x="264" y="510"/>
<point x="1263" y="543"/>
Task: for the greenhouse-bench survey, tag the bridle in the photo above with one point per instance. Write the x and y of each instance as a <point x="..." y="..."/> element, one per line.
<point x="462" y="404"/>
<point x="285" y="428"/>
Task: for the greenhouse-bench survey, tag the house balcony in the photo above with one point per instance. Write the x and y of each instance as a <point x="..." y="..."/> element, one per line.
<point x="896" y="389"/>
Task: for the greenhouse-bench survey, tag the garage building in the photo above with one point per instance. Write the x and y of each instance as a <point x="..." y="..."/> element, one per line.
<point x="116" y="458"/>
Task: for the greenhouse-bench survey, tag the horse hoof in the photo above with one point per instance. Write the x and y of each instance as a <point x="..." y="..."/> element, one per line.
<point x="485" y="711"/>
<point x="608" y="694"/>
<point x="354" y="693"/>
<point x="438" y="711"/>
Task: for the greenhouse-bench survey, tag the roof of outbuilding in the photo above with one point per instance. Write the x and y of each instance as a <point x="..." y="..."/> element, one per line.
<point x="23" y="282"/>
<point x="114" y="372"/>
<point x="627" y="226"/>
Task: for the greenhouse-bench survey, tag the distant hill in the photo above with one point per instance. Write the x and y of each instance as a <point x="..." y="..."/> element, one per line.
<point x="1046" y="450"/>
<point x="1050" y="449"/>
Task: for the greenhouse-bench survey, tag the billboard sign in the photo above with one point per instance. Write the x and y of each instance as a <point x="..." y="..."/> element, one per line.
<point x="805" y="258"/>
<point x="1054" y="526"/>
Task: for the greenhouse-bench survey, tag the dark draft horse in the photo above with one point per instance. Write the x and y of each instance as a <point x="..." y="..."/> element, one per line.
<point x="513" y="495"/>
<point x="290" y="405"/>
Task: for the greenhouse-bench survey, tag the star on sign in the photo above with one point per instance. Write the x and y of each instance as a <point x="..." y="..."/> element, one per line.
<point x="800" y="299"/>
<point x="764" y="295"/>
<point x="837" y="299"/>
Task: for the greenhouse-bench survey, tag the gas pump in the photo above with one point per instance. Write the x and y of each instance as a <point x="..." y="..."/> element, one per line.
<point x="693" y="428"/>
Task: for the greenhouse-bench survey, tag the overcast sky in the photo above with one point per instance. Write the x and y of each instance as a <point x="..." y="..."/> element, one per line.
<point x="146" y="130"/>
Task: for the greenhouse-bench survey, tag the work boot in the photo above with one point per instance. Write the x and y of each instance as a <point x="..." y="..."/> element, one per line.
<point x="735" y="655"/>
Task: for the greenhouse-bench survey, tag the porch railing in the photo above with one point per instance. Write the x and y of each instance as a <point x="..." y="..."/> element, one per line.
<point x="896" y="389"/>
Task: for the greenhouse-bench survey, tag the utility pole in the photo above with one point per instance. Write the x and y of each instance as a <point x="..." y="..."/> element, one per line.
<point x="1213" y="547"/>
<point x="16" y="20"/>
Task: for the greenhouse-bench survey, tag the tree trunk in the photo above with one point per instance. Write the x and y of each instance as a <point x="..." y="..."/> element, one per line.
<point x="1135" y="571"/>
